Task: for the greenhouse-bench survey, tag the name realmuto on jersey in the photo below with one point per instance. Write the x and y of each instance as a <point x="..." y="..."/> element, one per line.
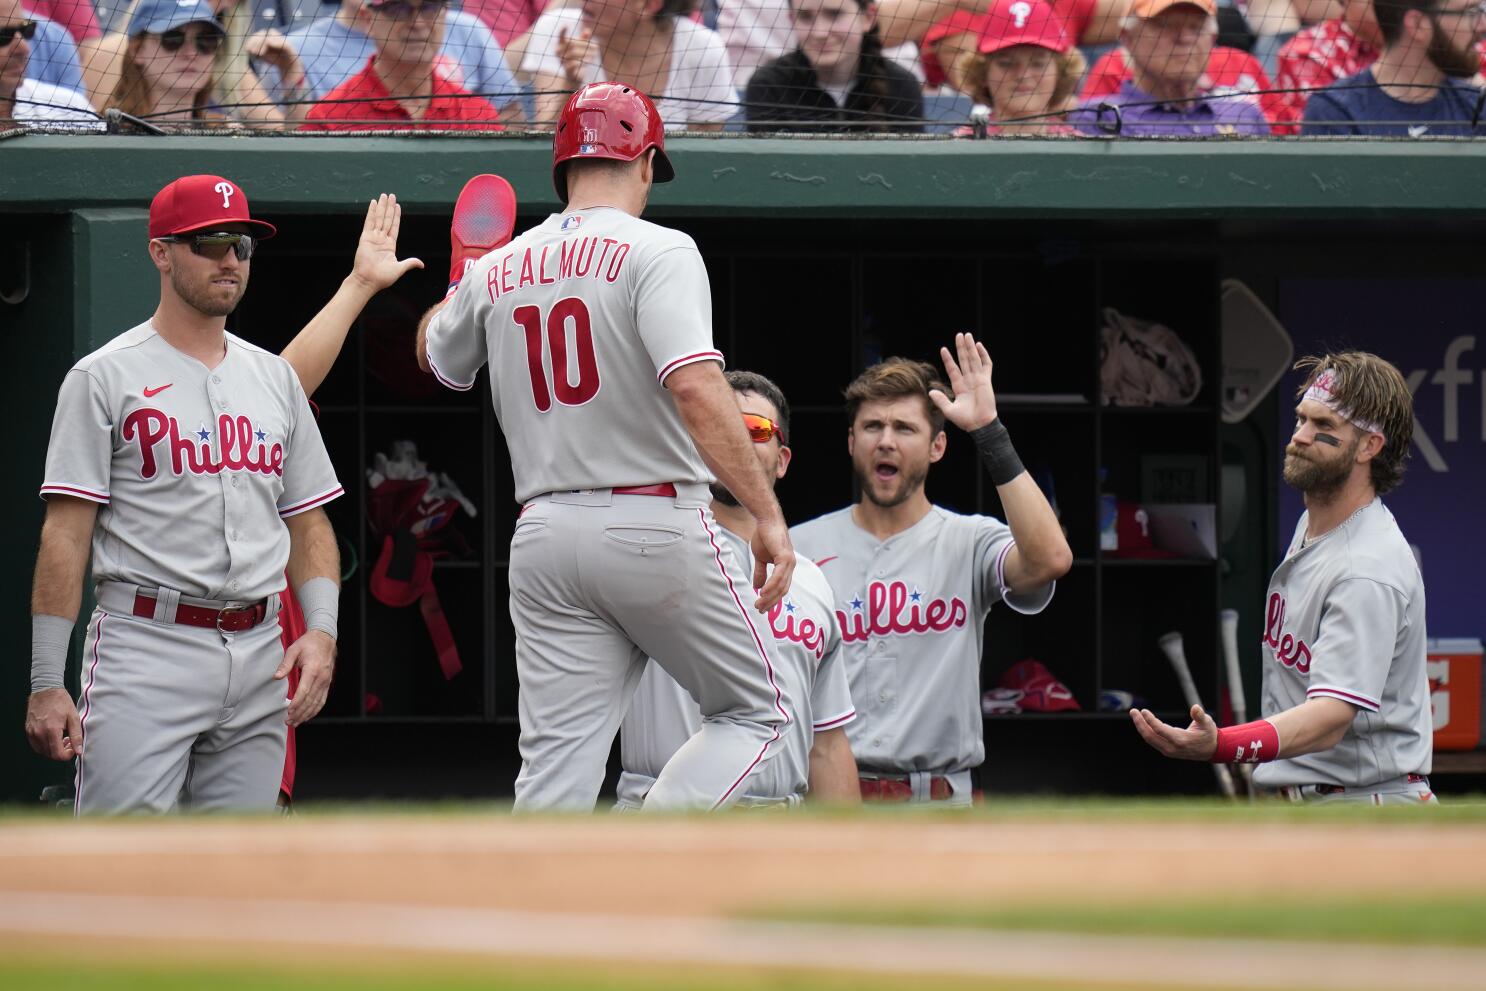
<point x="890" y="609"/>
<point x="569" y="260"/>
<point x="236" y="450"/>
<point x="1289" y="650"/>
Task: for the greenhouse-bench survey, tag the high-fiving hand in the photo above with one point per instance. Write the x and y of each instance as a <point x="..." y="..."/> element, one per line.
<point x="974" y="405"/>
<point x="376" y="266"/>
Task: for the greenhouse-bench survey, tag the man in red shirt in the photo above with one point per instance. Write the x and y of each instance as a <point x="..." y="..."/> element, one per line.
<point x="399" y="89"/>
<point x="1229" y="70"/>
<point x="1326" y="52"/>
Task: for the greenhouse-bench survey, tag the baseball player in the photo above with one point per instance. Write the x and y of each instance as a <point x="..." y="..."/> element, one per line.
<point x="312" y="353"/>
<point x="1346" y="694"/>
<point x="805" y="645"/>
<point x="192" y="460"/>
<point x="913" y="582"/>
<point x="597" y="327"/>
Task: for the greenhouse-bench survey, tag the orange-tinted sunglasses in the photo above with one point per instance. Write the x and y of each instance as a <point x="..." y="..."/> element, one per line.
<point x="762" y="429"/>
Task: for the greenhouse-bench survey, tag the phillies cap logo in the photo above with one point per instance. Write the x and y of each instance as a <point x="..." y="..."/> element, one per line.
<point x="225" y="188"/>
<point x="1021" y="10"/>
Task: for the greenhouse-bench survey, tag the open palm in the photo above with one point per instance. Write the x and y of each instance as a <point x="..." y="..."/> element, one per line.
<point x="376" y="262"/>
<point x="969" y="372"/>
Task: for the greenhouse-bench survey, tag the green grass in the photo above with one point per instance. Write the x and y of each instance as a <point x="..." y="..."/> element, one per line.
<point x="1456" y="920"/>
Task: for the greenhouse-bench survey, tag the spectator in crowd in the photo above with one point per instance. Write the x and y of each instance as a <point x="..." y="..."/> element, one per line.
<point x="235" y="91"/>
<point x="1418" y="84"/>
<point x="54" y="58"/>
<point x="166" y="72"/>
<point x="1169" y="43"/>
<point x="1327" y="52"/>
<point x="656" y="48"/>
<point x="1024" y="68"/>
<point x="23" y="99"/>
<point x="315" y="58"/>
<point x="400" y="87"/>
<point x="1229" y="71"/>
<point x="506" y="19"/>
<point x="836" y="79"/>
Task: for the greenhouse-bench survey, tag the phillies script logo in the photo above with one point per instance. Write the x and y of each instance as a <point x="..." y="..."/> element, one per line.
<point x="891" y="608"/>
<point x="239" y="447"/>
<point x="805" y="633"/>
<point x="1288" y="650"/>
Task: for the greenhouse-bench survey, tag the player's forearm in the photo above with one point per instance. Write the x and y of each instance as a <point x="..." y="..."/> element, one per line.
<point x="421" y="344"/>
<point x="314" y="349"/>
<point x="1042" y="553"/>
<point x="1312" y="726"/>
<point x="62" y="561"/>
<point x="710" y="413"/>
<point x="313" y="552"/>
<point x="833" y="770"/>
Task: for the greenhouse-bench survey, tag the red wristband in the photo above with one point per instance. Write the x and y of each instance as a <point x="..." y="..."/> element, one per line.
<point x="1251" y="743"/>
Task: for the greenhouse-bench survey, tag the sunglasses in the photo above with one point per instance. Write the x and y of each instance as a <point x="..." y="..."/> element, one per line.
<point x="26" y="29"/>
<point x="207" y="42"/>
<point x="401" y="10"/>
<point x="761" y="429"/>
<point x="215" y="244"/>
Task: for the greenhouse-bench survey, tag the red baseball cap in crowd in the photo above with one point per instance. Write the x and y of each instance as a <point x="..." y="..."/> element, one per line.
<point x="1150" y="8"/>
<point x="199" y="202"/>
<point x="1023" y="22"/>
<point x="960" y="22"/>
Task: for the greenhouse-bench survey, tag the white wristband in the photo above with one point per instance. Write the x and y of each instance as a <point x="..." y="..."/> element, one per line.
<point x="50" y="637"/>
<point x="320" y="599"/>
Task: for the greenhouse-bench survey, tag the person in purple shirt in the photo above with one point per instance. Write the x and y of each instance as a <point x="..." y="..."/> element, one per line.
<point x="1418" y="86"/>
<point x="1168" y="43"/>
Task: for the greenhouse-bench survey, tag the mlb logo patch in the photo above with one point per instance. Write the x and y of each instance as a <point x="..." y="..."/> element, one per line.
<point x="572" y="223"/>
<point x="586" y="149"/>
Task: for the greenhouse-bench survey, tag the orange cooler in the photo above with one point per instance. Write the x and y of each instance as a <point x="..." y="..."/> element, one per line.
<point x="1455" y="692"/>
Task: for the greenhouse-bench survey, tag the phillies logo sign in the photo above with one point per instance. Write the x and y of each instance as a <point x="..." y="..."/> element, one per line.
<point x="805" y="633"/>
<point x="236" y="451"/>
<point x="1020" y="11"/>
<point x="890" y="608"/>
<point x="225" y="188"/>
<point x="1288" y="650"/>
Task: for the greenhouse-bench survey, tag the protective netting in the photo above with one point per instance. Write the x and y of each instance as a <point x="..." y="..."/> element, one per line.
<point x="971" y="68"/>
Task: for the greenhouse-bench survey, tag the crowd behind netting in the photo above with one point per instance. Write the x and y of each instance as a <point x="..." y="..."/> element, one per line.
<point x="954" y="68"/>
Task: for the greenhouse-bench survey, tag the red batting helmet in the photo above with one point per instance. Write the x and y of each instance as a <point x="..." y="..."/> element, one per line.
<point x="608" y="120"/>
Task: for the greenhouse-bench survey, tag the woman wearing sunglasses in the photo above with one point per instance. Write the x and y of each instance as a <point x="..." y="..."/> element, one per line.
<point x="180" y="62"/>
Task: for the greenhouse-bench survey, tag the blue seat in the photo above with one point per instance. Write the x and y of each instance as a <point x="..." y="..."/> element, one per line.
<point x="946" y="113"/>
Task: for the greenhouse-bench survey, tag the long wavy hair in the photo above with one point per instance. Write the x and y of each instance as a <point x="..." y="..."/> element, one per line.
<point x="1071" y="66"/>
<point x="132" y="93"/>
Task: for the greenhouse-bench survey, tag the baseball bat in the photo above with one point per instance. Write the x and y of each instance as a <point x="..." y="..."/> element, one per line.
<point x="1229" y="618"/>
<point x="1171" y="646"/>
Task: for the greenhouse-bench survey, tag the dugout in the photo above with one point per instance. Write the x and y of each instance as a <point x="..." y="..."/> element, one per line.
<point x="824" y="256"/>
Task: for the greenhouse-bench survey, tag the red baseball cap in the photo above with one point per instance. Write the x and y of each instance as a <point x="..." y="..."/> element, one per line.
<point x="197" y="202"/>
<point x="960" y="22"/>
<point x="1023" y="22"/>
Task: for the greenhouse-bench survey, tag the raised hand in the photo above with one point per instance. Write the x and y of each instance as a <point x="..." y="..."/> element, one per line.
<point x="974" y="405"/>
<point x="577" y="54"/>
<point x="1196" y="742"/>
<point x="376" y="265"/>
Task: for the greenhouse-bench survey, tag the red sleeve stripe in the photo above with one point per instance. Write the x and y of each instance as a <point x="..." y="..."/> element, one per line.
<point x="689" y="359"/>
<point x="448" y="382"/>
<point x="73" y="490"/>
<point x="841" y="720"/>
<point x="1371" y="705"/>
<point x="308" y="504"/>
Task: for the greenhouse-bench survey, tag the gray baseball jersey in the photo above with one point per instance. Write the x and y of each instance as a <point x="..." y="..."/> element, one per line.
<point x="579" y="319"/>
<point x="912" y="611"/>
<point x="1345" y="620"/>
<point x="806" y="646"/>
<point x="194" y="470"/>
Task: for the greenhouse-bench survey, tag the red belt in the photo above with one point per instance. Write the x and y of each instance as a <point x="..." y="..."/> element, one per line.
<point x="226" y="620"/>
<point x="894" y="790"/>
<point x="663" y="489"/>
<point x="1412" y="779"/>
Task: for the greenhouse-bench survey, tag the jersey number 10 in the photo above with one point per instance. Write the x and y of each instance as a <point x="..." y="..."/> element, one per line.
<point x="561" y="388"/>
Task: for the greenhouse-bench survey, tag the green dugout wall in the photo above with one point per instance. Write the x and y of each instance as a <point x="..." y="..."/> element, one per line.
<point x="824" y="255"/>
